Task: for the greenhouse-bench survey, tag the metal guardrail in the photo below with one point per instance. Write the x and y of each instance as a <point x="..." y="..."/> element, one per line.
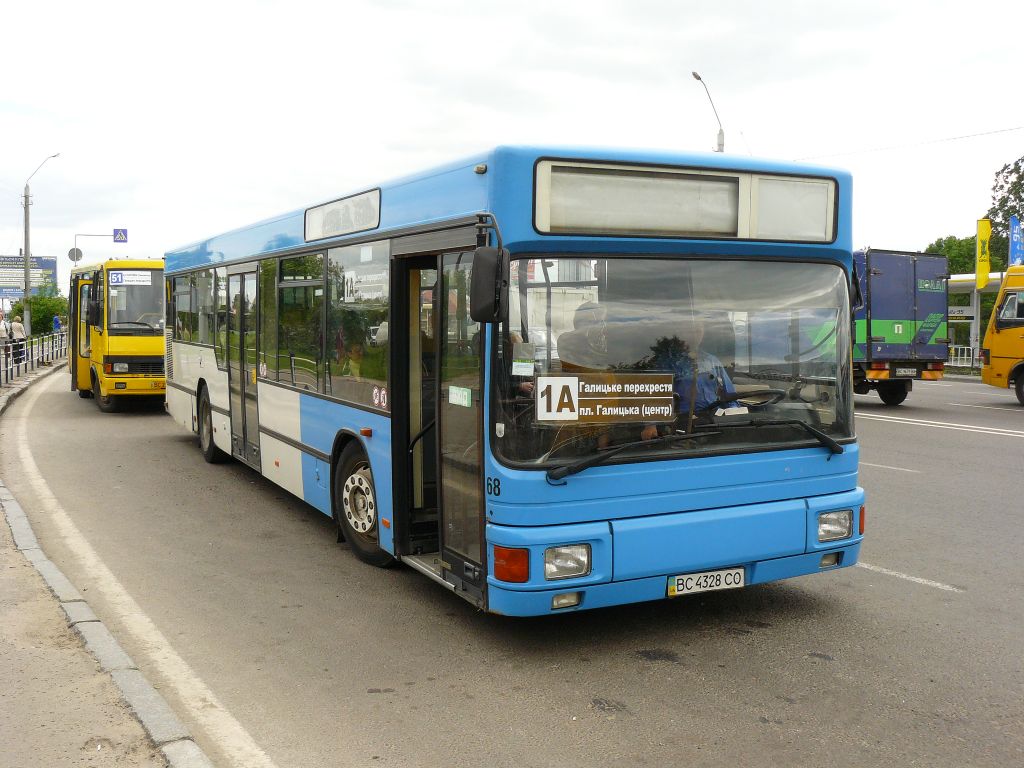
<point x="19" y="356"/>
<point x="962" y="357"/>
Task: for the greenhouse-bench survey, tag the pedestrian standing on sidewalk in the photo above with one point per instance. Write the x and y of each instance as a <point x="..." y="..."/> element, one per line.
<point x="18" y="335"/>
<point x="5" y="340"/>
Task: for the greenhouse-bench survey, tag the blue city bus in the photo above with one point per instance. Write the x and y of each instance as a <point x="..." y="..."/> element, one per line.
<point x="547" y="379"/>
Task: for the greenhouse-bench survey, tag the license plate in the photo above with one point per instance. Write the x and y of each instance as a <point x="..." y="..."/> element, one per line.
<point x="906" y="371"/>
<point x="705" y="581"/>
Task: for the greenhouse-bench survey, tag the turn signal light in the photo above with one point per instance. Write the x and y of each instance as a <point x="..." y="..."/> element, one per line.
<point x="936" y="366"/>
<point x="511" y="564"/>
<point x="880" y="366"/>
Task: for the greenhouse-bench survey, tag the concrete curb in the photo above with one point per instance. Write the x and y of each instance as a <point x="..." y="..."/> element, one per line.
<point x="162" y="726"/>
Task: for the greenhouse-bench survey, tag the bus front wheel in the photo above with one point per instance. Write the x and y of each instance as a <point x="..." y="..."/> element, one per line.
<point x="355" y="507"/>
<point x="1018" y="387"/>
<point x="211" y="452"/>
<point x="106" y="404"/>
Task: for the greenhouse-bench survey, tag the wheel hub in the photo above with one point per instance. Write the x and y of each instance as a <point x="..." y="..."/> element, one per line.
<point x="358" y="502"/>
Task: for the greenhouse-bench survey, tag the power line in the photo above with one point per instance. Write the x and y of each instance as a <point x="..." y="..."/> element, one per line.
<point x="915" y="144"/>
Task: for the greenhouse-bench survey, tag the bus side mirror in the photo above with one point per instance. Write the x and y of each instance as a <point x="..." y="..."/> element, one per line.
<point x="488" y="291"/>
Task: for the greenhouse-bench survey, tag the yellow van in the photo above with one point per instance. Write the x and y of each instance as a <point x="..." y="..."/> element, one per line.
<point x="1002" y="353"/>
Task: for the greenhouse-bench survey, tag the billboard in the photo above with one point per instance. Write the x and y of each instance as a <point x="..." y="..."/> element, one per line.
<point x="42" y="271"/>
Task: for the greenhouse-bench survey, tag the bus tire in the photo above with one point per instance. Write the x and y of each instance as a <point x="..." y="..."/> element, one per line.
<point x="892" y="392"/>
<point x="1018" y="387"/>
<point x="355" y="507"/>
<point x="106" y="404"/>
<point x="211" y="453"/>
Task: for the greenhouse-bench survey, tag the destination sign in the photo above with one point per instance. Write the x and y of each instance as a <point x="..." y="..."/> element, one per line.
<point x="605" y="398"/>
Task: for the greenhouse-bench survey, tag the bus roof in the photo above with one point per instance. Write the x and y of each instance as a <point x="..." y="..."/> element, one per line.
<point x="467" y="187"/>
<point x="119" y="263"/>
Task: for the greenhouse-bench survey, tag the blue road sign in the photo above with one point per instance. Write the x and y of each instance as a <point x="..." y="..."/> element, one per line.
<point x="120" y="235"/>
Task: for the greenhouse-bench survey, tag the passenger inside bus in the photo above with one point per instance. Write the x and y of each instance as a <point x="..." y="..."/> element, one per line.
<point x="699" y="378"/>
<point x="585" y="347"/>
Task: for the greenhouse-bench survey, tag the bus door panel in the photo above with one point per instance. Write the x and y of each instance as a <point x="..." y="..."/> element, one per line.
<point x="249" y="365"/>
<point x="460" y="422"/>
<point x="241" y="345"/>
<point x="79" y="344"/>
<point x="419" y="284"/>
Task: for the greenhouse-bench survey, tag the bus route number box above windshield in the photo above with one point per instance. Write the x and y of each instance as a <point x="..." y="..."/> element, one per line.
<point x="547" y="379"/>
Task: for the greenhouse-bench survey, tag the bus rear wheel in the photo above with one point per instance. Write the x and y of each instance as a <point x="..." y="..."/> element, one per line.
<point x="355" y="507"/>
<point x="893" y="392"/>
<point x="211" y="453"/>
<point x="1018" y="387"/>
<point x="106" y="404"/>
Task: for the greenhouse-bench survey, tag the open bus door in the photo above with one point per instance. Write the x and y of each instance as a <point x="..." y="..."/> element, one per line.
<point x="439" y="433"/>
<point x="79" y="350"/>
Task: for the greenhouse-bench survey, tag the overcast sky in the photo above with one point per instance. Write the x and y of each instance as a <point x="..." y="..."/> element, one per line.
<point x="182" y="120"/>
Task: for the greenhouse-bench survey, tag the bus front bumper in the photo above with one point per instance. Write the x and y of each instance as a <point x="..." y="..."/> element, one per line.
<point x="116" y="386"/>
<point x="510" y="602"/>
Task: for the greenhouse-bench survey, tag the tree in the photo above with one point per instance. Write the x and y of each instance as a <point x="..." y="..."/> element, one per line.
<point x="1007" y="201"/>
<point x="44" y="306"/>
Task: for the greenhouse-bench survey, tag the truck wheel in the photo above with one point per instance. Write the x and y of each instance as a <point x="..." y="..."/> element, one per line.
<point x="1018" y="387"/>
<point x="892" y="392"/>
<point x="355" y="507"/>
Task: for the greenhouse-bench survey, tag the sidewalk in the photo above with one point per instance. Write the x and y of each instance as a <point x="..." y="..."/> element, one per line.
<point x="69" y="695"/>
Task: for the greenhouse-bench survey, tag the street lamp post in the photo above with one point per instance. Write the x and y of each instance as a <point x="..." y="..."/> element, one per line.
<point x="26" y="311"/>
<point x="721" y="132"/>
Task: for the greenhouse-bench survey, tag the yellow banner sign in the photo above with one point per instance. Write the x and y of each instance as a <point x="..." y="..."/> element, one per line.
<point x="982" y="263"/>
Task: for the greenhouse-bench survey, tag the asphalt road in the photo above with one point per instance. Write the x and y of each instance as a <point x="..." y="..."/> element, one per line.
<point x="279" y="648"/>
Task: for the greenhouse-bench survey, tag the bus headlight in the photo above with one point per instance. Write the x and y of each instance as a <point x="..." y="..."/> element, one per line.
<point x="120" y="367"/>
<point x="566" y="561"/>
<point x="833" y="526"/>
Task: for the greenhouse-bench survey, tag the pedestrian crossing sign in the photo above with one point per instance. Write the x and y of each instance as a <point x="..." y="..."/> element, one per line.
<point x="120" y="235"/>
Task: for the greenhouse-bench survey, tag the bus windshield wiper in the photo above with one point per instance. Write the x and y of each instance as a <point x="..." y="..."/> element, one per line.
<point x="827" y="441"/>
<point x="131" y="322"/>
<point x="602" y="455"/>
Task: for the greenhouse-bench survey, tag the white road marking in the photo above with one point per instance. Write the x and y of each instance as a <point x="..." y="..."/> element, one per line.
<point x="932" y="384"/>
<point x="906" y="577"/>
<point x="988" y="407"/>
<point x="943" y="425"/>
<point x="219" y="725"/>
<point x="886" y="466"/>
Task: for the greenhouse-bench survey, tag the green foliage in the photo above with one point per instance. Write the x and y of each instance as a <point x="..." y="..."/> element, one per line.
<point x="959" y="251"/>
<point x="43" y="308"/>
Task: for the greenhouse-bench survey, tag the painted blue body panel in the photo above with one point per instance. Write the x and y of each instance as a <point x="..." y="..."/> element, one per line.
<point x="661" y="487"/>
<point x="510" y="602"/>
<point x="321" y="421"/>
<point x="506" y="190"/>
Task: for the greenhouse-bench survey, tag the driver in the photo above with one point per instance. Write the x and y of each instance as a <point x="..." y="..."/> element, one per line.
<point x="678" y="354"/>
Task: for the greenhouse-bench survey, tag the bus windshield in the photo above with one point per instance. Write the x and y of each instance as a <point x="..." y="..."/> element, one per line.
<point x="644" y="357"/>
<point x="135" y="301"/>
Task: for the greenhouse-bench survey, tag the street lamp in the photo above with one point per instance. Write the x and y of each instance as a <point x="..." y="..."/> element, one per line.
<point x="26" y="312"/>
<point x="721" y="133"/>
